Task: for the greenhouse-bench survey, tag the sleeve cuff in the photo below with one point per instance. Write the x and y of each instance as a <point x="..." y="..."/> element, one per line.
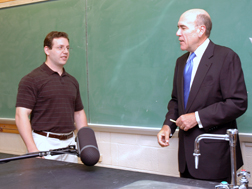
<point x="198" y="120"/>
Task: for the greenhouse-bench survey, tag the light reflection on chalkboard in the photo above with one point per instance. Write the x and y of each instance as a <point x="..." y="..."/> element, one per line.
<point x="11" y="3"/>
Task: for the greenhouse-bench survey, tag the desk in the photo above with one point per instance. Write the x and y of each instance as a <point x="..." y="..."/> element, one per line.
<point x="41" y="173"/>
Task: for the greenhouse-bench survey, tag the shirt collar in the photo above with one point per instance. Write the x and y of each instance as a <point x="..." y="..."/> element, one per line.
<point x="46" y="69"/>
<point x="201" y="49"/>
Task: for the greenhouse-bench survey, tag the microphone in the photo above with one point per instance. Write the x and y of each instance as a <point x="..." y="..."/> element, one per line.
<point x="87" y="146"/>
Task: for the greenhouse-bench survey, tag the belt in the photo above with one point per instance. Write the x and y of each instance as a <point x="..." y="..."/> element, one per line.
<point x="60" y="137"/>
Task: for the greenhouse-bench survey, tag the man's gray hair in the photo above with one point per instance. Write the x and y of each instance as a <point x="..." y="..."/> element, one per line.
<point x="205" y="20"/>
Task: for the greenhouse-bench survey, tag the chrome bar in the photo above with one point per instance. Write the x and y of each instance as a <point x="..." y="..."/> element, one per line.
<point x="231" y="136"/>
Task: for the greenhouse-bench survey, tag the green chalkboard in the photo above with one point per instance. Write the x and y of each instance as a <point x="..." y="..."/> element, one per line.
<point x="124" y="52"/>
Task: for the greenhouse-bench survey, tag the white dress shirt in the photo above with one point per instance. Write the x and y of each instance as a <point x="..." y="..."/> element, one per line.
<point x="199" y="53"/>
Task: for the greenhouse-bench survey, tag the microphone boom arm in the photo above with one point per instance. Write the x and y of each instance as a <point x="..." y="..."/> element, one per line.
<point x="71" y="149"/>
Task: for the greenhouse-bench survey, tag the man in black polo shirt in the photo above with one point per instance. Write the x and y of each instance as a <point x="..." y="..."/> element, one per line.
<point x="51" y="97"/>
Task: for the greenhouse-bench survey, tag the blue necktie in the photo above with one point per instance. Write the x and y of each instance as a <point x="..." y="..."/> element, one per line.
<point x="187" y="77"/>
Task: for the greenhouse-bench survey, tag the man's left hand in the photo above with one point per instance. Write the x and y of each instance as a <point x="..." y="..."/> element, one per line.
<point x="186" y="121"/>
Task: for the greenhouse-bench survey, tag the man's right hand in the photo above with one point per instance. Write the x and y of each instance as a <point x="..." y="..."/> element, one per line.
<point x="164" y="135"/>
<point x="24" y="128"/>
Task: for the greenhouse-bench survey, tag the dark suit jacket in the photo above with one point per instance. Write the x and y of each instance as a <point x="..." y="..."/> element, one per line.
<point x="219" y="94"/>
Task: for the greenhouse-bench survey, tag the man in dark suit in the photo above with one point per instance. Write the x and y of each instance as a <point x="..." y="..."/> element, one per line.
<point x="217" y="96"/>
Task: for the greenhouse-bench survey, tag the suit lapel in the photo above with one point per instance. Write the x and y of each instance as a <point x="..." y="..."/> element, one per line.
<point x="201" y="72"/>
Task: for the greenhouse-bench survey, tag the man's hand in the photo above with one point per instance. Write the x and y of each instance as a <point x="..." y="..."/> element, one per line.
<point x="164" y="135"/>
<point x="24" y="128"/>
<point x="186" y="121"/>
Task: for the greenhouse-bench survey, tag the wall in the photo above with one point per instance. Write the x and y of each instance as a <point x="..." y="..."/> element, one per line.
<point x="138" y="153"/>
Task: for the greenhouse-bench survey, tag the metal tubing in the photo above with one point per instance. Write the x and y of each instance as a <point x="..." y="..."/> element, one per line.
<point x="231" y="136"/>
<point x="232" y="142"/>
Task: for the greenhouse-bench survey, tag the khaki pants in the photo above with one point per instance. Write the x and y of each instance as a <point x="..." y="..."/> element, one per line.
<point x="44" y="143"/>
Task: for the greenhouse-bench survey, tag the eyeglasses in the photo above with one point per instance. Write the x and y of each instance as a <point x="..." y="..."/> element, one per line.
<point x="62" y="48"/>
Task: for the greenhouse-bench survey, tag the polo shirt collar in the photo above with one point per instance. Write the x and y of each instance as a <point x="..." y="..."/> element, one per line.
<point x="48" y="70"/>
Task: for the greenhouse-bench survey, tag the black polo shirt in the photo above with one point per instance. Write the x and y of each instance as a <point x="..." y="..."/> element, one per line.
<point x="52" y="98"/>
